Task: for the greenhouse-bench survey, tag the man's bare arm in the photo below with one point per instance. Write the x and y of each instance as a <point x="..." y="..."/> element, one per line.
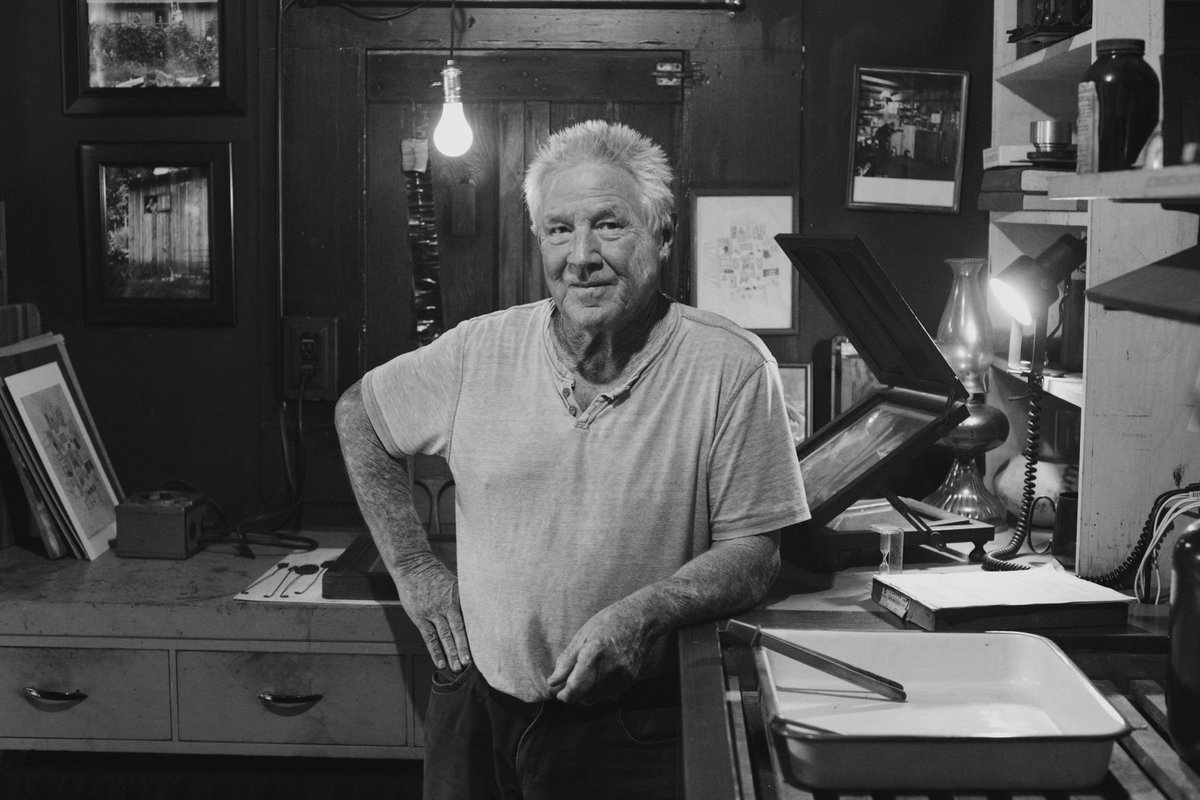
<point x="428" y="590"/>
<point x="606" y="654"/>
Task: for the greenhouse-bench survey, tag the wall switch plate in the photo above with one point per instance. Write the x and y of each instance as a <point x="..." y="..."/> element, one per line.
<point x="310" y="358"/>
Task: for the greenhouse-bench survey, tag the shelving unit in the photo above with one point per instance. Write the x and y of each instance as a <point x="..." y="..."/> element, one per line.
<point x="1167" y="185"/>
<point x="1140" y="429"/>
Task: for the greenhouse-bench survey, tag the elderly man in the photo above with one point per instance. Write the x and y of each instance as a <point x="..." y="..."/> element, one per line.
<point x="622" y="466"/>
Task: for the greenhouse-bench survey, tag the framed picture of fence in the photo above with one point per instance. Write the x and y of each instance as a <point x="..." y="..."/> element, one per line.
<point x="148" y="57"/>
<point x="158" y="233"/>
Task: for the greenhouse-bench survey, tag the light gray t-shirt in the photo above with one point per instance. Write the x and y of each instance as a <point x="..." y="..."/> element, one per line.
<point x="561" y="510"/>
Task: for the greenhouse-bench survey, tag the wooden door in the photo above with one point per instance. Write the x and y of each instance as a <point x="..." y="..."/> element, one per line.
<point x="486" y="257"/>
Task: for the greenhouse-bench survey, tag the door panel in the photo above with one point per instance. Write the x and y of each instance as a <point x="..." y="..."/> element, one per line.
<point x="487" y="256"/>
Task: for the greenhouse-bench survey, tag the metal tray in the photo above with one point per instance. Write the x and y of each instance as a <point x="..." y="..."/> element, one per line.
<point x="985" y="711"/>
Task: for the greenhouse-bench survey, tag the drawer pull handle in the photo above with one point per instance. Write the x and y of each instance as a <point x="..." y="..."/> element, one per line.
<point x="50" y="696"/>
<point x="270" y="698"/>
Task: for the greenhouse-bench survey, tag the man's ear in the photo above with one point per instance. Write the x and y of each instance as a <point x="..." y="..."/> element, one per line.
<point x="668" y="238"/>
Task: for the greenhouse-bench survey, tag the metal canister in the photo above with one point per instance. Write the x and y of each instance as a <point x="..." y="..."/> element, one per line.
<point x="1183" y="671"/>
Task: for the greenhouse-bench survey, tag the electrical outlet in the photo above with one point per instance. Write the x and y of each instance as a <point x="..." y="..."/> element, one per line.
<point x="310" y="358"/>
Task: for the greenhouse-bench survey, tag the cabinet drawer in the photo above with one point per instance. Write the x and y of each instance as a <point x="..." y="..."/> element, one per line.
<point x="314" y="698"/>
<point x="121" y="694"/>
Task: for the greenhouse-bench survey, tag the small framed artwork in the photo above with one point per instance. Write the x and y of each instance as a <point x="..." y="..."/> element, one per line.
<point x="149" y="58"/>
<point x="51" y="433"/>
<point x="797" y="397"/>
<point x="158" y="233"/>
<point x="906" y="140"/>
<point x="738" y="270"/>
<point x="851" y="378"/>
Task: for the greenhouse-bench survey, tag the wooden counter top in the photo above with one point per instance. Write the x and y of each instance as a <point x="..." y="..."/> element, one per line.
<point x="194" y="598"/>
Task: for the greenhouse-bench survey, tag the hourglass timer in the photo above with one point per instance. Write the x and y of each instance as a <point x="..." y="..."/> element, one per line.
<point x="891" y="549"/>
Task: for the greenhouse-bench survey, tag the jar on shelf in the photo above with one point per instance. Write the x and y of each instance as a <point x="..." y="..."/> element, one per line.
<point x="1118" y="106"/>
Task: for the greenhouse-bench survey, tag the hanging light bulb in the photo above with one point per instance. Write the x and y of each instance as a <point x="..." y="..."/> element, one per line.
<point x="453" y="135"/>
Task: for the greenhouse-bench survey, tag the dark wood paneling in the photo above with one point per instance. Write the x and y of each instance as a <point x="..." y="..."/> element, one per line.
<point x="468" y="263"/>
<point x="537" y="129"/>
<point x="387" y="321"/>
<point x="513" y="240"/>
<point x="498" y="75"/>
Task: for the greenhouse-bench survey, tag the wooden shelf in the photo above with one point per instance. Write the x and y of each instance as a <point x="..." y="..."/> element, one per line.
<point x="1169" y="184"/>
<point x="1064" y="387"/>
<point x="1064" y="61"/>
<point x="1069" y="219"/>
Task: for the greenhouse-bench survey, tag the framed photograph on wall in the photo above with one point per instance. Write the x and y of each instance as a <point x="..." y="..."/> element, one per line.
<point x="797" y="396"/>
<point x="738" y="270"/>
<point x="906" y="139"/>
<point x="158" y="233"/>
<point x="148" y="58"/>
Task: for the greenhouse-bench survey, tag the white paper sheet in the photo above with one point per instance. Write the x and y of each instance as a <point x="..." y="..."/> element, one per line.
<point x="283" y="583"/>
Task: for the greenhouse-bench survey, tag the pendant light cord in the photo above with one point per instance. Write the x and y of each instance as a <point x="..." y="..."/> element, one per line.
<point x="452" y="29"/>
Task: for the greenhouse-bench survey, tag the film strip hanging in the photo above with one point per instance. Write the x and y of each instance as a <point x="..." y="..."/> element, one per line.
<point x="423" y="240"/>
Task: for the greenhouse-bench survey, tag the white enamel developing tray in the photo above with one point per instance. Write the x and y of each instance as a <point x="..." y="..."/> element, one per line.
<point x="985" y="711"/>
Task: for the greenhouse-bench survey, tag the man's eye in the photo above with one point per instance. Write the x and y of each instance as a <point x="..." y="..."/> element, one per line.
<point x="610" y="229"/>
<point x="557" y="234"/>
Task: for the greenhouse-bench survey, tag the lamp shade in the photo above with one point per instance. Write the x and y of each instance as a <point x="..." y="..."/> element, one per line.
<point x="1028" y="287"/>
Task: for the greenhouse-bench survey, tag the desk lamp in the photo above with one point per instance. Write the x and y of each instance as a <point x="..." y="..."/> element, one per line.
<point x="1025" y="290"/>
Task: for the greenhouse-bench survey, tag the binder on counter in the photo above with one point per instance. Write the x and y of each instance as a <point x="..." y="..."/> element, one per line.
<point x="1006" y="600"/>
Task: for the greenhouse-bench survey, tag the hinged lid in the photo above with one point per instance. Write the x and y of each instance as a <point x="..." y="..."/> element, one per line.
<point x="921" y="398"/>
<point x="864" y="301"/>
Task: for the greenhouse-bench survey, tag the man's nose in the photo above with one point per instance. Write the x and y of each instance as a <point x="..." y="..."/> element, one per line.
<point x="584" y="246"/>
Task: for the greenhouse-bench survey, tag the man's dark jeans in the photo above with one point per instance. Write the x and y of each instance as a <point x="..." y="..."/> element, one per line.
<point x="482" y="744"/>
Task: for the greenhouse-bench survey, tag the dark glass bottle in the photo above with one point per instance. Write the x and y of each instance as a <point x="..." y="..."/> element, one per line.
<point x="1183" y="673"/>
<point x="1127" y="101"/>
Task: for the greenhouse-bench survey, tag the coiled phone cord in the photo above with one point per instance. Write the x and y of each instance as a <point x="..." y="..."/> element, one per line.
<point x="998" y="560"/>
<point x="1118" y="574"/>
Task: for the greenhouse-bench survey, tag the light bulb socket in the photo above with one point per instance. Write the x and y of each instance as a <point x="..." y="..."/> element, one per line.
<point x="451" y="83"/>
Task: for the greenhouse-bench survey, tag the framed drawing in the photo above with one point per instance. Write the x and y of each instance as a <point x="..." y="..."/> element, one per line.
<point x="158" y="233"/>
<point x="149" y="58"/>
<point x="906" y="140"/>
<point x="738" y="270"/>
<point x="52" y="436"/>
<point x="797" y="397"/>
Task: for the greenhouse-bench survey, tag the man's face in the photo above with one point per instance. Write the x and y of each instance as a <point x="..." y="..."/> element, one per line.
<point x="600" y="260"/>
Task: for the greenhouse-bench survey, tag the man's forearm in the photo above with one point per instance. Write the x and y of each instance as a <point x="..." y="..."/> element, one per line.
<point x="381" y="486"/>
<point x="732" y="576"/>
<point x="427" y="588"/>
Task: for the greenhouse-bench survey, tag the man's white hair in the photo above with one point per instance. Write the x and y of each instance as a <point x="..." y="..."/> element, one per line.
<point x="598" y="141"/>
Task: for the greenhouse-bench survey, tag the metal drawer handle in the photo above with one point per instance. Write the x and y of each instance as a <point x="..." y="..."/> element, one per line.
<point x="270" y="698"/>
<point x="49" y="696"/>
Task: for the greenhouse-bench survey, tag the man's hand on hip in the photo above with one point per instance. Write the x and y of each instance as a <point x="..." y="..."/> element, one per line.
<point x="429" y="594"/>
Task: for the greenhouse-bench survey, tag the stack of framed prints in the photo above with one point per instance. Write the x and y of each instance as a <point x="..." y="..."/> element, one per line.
<point x="62" y="466"/>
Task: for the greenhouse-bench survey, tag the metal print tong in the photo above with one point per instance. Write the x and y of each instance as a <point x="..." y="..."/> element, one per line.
<point x="753" y="635"/>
